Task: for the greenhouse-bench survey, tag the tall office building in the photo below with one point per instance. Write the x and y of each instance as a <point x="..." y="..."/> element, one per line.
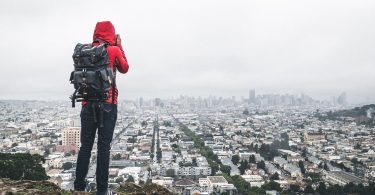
<point x="252" y="96"/>
<point x="342" y="99"/>
<point x="157" y="102"/>
<point x="71" y="136"/>
<point x="140" y="102"/>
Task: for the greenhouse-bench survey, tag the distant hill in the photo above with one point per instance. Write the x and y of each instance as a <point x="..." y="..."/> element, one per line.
<point x="357" y="111"/>
<point x="364" y="115"/>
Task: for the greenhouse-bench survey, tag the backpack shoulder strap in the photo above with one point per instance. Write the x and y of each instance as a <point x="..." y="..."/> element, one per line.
<point x="114" y="87"/>
<point x="97" y="40"/>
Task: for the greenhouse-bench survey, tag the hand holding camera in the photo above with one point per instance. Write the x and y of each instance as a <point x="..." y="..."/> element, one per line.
<point x="118" y="39"/>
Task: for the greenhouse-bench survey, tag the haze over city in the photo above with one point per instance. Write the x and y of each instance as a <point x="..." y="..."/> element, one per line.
<point x="198" y="48"/>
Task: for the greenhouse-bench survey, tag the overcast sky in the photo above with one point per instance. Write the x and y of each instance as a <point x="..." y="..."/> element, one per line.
<point x="195" y="47"/>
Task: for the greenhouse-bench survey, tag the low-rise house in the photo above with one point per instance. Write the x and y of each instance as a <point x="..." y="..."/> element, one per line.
<point x="293" y="170"/>
<point x="254" y="180"/>
<point x="342" y="178"/>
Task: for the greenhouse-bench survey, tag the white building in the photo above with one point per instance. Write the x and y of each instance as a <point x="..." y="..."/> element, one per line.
<point x="254" y="180"/>
<point x="185" y="171"/>
<point x="342" y="178"/>
<point x="293" y="170"/>
<point x="280" y="161"/>
<point x="133" y="171"/>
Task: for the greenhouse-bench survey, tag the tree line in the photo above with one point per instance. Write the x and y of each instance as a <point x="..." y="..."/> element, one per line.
<point x="22" y="166"/>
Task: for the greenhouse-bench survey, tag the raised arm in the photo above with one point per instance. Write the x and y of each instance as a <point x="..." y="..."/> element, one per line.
<point x="120" y="60"/>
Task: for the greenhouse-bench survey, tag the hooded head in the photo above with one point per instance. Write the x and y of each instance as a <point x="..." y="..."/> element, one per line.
<point x="105" y="31"/>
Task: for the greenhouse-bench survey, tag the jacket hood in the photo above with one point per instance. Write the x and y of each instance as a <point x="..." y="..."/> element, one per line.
<point x="105" y="31"/>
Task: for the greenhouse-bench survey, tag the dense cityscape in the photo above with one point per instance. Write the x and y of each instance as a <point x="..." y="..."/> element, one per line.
<point x="261" y="144"/>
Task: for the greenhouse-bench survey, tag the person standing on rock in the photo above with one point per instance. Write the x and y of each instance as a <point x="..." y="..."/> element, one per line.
<point x="100" y="114"/>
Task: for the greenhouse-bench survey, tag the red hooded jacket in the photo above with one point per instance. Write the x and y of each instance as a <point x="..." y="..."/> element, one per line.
<point x="105" y="32"/>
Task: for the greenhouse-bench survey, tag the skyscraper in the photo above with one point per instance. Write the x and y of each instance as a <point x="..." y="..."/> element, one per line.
<point x="140" y="102"/>
<point x="342" y="99"/>
<point x="157" y="102"/>
<point x="252" y="96"/>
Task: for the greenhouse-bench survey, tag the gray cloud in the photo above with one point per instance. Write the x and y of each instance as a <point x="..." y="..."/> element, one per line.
<point x="320" y="47"/>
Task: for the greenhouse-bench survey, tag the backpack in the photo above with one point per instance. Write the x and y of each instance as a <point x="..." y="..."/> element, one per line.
<point x="92" y="76"/>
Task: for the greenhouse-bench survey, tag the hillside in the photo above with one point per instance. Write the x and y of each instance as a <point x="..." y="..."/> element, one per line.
<point x="27" y="187"/>
<point x="364" y="115"/>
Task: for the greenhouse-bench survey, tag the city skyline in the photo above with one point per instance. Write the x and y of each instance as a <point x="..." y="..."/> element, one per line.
<point x="253" y="98"/>
<point x="237" y="97"/>
<point x="320" y="48"/>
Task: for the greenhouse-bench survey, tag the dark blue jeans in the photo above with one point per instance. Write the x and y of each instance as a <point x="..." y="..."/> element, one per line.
<point x="91" y="115"/>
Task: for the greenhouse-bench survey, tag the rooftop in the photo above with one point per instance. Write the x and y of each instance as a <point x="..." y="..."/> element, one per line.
<point x="217" y="179"/>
